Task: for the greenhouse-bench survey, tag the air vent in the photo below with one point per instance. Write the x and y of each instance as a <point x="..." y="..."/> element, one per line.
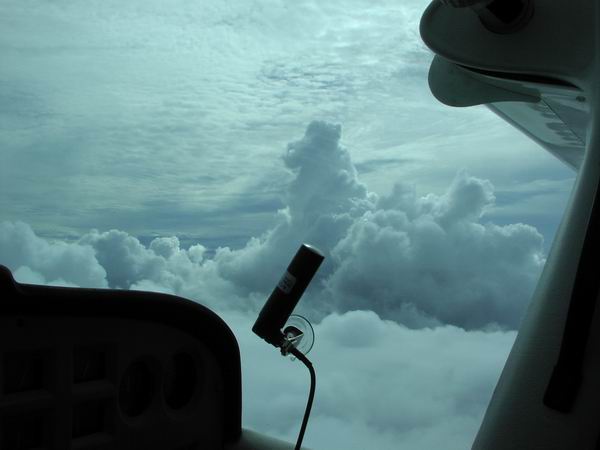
<point x="25" y="371"/>
<point x="89" y="364"/>
<point x="182" y="377"/>
<point x="137" y="388"/>
<point x="25" y="432"/>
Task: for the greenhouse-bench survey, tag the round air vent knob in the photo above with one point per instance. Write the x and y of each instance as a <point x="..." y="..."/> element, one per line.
<point x="498" y="16"/>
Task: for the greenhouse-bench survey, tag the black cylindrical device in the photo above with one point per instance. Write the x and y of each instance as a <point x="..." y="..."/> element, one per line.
<point x="286" y="294"/>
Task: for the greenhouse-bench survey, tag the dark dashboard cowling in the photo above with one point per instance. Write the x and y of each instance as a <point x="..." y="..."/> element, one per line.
<point x="109" y="369"/>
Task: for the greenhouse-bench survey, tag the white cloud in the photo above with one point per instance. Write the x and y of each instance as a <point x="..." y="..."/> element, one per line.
<point x="430" y="259"/>
<point x="420" y="261"/>
<point x="55" y="262"/>
<point x="379" y="385"/>
<point x="26" y="275"/>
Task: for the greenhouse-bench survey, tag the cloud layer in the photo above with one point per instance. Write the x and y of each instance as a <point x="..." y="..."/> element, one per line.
<point x="145" y="115"/>
<point x="380" y="385"/>
<point x="419" y="261"/>
<point x="407" y="307"/>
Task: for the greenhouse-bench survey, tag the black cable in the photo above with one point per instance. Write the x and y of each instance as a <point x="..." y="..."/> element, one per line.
<point x="313" y="381"/>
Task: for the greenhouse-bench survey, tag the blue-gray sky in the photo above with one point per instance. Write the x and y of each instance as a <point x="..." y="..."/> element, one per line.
<point x="147" y="116"/>
<point x="232" y="131"/>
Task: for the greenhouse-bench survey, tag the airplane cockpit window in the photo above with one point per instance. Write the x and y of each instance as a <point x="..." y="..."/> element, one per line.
<point x="189" y="148"/>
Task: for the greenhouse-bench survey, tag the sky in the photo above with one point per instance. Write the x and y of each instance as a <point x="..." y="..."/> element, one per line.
<point x="190" y="147"/>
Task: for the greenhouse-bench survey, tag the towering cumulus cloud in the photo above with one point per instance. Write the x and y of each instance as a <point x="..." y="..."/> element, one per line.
<point x="415" y="307"/>
<point x="422" y="261"/>
<point x="419" y="261"/>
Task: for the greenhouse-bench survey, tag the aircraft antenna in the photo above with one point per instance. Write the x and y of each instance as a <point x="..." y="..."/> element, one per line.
<point x="292" y="334"/>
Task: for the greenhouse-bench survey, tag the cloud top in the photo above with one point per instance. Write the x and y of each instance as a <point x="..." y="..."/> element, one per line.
<point x="418" y="260"/>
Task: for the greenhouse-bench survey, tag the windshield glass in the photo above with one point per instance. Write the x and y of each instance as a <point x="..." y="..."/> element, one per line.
<point x="191" y="147"/>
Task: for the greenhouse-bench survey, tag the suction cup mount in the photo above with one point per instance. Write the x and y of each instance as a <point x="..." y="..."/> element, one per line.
<point x="298" y="333"/>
